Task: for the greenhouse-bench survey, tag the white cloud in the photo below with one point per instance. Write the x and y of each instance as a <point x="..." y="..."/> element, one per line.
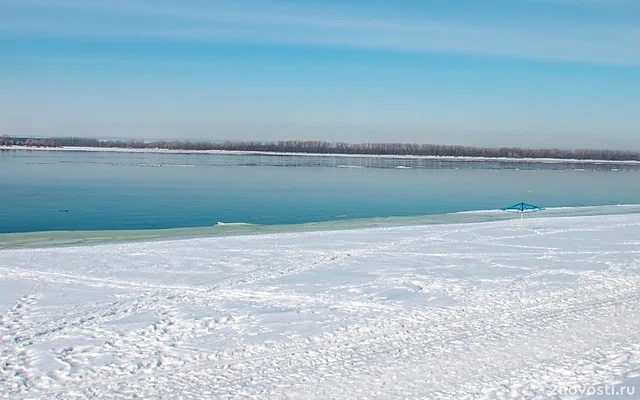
<point x="589" y="3"/>
<point x="561" y="40"/>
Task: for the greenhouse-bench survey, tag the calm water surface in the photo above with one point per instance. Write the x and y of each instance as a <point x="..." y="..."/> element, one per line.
<point x="56" y="190"/>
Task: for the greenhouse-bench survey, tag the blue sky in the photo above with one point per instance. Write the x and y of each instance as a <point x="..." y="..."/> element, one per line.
<point x="541" y="73"/>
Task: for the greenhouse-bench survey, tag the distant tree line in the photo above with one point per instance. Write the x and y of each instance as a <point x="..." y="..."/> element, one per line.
<point x="321" y="147"/>
<point x="26" y="141"/>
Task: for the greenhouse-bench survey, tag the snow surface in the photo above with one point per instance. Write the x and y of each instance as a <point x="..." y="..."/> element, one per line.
<point x="276" y="153"/>
<point x="480" y="310"/>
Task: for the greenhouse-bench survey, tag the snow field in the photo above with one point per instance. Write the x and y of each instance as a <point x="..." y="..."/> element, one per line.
<point x="468" y="311"/>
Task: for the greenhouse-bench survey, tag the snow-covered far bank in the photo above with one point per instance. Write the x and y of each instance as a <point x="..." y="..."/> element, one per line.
<point x="267" y="153"/>
<point x="465" y="311"/>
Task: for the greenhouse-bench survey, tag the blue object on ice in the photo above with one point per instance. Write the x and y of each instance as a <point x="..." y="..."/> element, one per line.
<point x="523" y="207"/>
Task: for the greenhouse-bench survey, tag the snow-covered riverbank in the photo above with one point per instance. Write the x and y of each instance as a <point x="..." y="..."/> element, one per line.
<point x="271" y="153"/>
<point x="480" y="310"/>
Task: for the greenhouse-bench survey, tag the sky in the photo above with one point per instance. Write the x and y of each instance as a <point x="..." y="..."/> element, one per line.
<point x="528" y="73"/>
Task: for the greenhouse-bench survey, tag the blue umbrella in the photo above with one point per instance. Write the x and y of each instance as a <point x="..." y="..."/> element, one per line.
<point x="523" y="208"/>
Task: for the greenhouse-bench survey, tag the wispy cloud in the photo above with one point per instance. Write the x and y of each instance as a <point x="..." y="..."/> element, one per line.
<point x="559" y="40"/>
<point x="589" y="3"/>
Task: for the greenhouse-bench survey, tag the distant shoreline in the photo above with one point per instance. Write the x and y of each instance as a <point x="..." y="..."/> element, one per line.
<point x="276" y="153"/>
<point x="323" y="148"/>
